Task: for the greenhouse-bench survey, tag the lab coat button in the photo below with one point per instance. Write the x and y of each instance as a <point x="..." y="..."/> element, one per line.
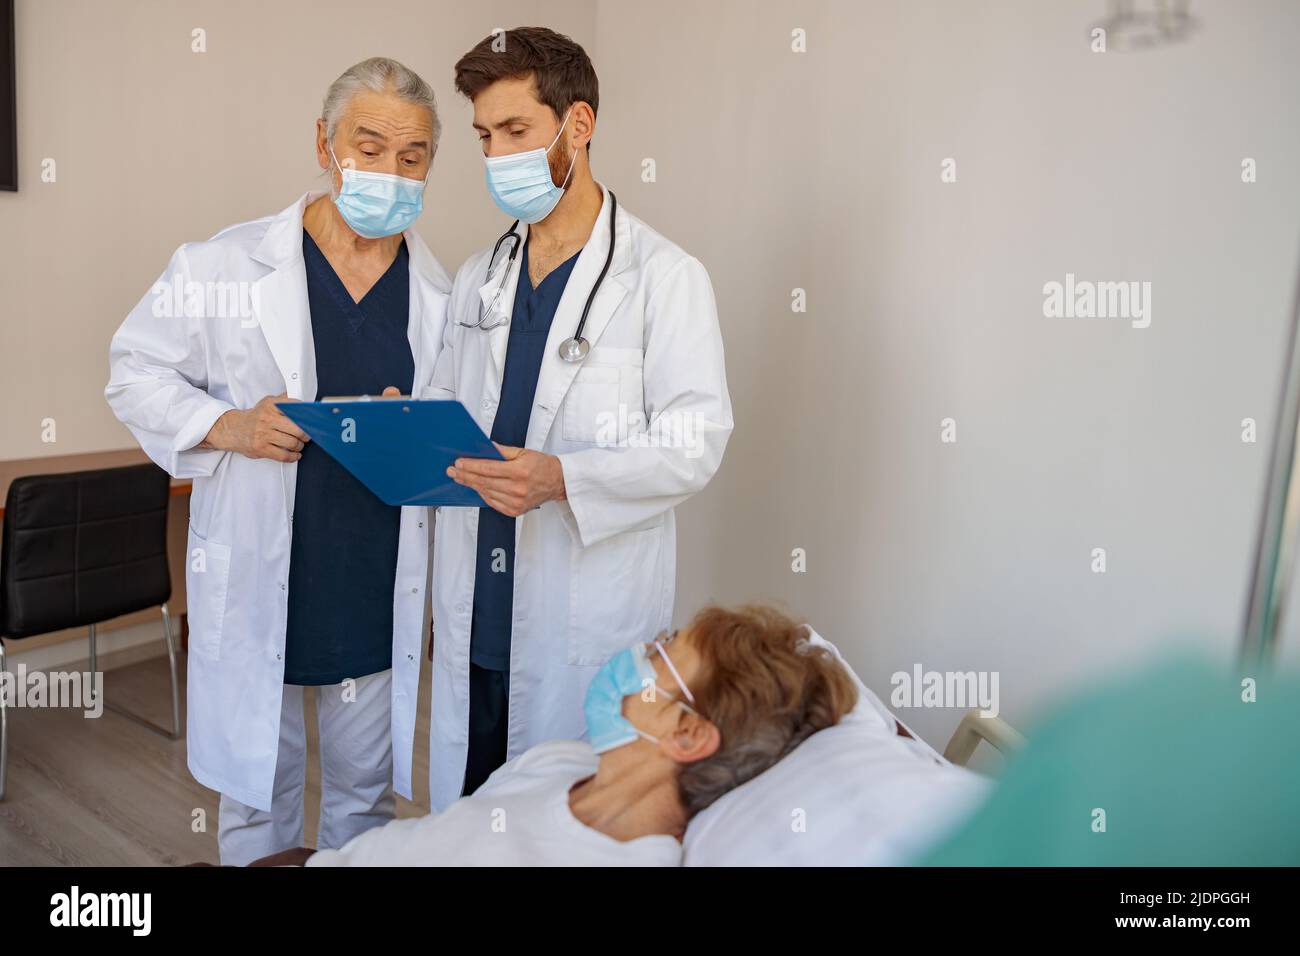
<point x="294" y="376"/>
<point x="415" y="590"/>
<point x="460" y="609"/>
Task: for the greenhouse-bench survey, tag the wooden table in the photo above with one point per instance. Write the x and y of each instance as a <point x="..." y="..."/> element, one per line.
<point x="60" y="464"/>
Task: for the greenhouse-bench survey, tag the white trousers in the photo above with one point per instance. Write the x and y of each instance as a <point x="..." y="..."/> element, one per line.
<point x="356" y="762"/>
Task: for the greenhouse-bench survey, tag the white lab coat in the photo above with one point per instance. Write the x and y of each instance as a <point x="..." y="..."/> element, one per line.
<point x="171" y="378"/>
<point x="597" y="571"/>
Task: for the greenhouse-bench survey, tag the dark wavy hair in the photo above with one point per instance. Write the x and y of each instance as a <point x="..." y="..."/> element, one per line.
<point x="561" y="70"/>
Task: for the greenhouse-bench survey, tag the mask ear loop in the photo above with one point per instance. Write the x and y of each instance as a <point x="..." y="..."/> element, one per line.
<point x="342" y="176"/>
<point x="574" y="158"/>
<point x="336" y="160"/>
<point x="558" y="132"/>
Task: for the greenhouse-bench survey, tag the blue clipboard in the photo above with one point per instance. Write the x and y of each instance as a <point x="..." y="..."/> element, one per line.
<point x="398" y="448"/>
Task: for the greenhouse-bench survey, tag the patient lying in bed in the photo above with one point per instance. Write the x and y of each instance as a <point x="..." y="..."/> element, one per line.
<point x="672" y="724"/>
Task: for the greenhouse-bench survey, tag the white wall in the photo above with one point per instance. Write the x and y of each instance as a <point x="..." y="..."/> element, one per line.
<point x="821" y="171"/>
<point x="782" y="170"/>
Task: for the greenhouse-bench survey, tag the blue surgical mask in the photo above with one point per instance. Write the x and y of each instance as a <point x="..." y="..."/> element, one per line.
<point x="378" y="204"/>
<point x="626" y="673"/>
<point x="521" y="185"/>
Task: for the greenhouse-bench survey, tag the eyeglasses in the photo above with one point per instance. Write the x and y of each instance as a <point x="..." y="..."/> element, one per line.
<point x="665" y="637"/>
<point x="660" y="646"/>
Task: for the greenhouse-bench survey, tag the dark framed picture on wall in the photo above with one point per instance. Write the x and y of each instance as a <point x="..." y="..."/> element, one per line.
<point x="8" y="100"/>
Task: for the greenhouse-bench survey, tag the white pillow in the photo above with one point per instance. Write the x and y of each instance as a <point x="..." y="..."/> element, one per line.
<point x="856" y="794"/>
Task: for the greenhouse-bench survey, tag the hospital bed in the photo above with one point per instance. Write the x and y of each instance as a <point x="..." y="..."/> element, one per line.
<point x="974" y="727"/>
<point x="856" y="794"/>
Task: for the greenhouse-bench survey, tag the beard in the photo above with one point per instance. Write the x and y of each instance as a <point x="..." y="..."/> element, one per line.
<point x="560" y="162"/>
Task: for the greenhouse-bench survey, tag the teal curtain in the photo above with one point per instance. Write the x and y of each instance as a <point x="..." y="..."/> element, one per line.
<point x="1185" y="771"/>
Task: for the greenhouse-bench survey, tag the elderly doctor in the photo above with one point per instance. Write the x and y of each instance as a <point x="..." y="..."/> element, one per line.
<point x="575" y="555"/>
<point x="299" y="579"/>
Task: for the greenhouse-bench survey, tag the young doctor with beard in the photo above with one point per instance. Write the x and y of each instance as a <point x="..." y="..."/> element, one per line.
<point x="587" y="346"/>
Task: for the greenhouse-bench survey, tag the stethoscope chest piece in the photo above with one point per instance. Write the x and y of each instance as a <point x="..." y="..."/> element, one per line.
<point x="574" y="350"/>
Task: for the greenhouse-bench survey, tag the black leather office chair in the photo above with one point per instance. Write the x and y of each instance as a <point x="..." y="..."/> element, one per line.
<point x="78" y="549"/>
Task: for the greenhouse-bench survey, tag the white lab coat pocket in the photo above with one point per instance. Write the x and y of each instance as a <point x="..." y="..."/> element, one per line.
<point x="591" y="407"/>
<point x="616" y="594"/>
<point x="207" y="580"/>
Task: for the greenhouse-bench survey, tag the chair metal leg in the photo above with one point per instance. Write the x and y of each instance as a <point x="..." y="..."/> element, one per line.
<point x="4" y="726"/>
<point x="171" y="663"/>
<point x="175" y="732"/>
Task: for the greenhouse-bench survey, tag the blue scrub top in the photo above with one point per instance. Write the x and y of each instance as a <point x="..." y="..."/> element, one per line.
<point x="494" y="578"/>
<point x="343" y="562"/>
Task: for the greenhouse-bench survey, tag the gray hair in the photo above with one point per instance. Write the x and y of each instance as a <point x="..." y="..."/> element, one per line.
<point x="378" y="74"/>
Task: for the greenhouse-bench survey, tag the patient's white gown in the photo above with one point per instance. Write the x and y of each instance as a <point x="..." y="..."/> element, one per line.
<point x="519" y="817"/>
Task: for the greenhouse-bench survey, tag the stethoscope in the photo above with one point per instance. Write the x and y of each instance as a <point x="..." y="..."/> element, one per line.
<point x="572" y="349"/>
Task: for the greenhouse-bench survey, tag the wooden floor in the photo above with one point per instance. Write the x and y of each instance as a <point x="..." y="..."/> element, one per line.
<point x="106" y="791"/>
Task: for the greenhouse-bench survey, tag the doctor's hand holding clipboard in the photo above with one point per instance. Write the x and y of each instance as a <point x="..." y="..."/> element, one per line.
<point x="526" y="480"/>
<point x="262" y="431"/>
